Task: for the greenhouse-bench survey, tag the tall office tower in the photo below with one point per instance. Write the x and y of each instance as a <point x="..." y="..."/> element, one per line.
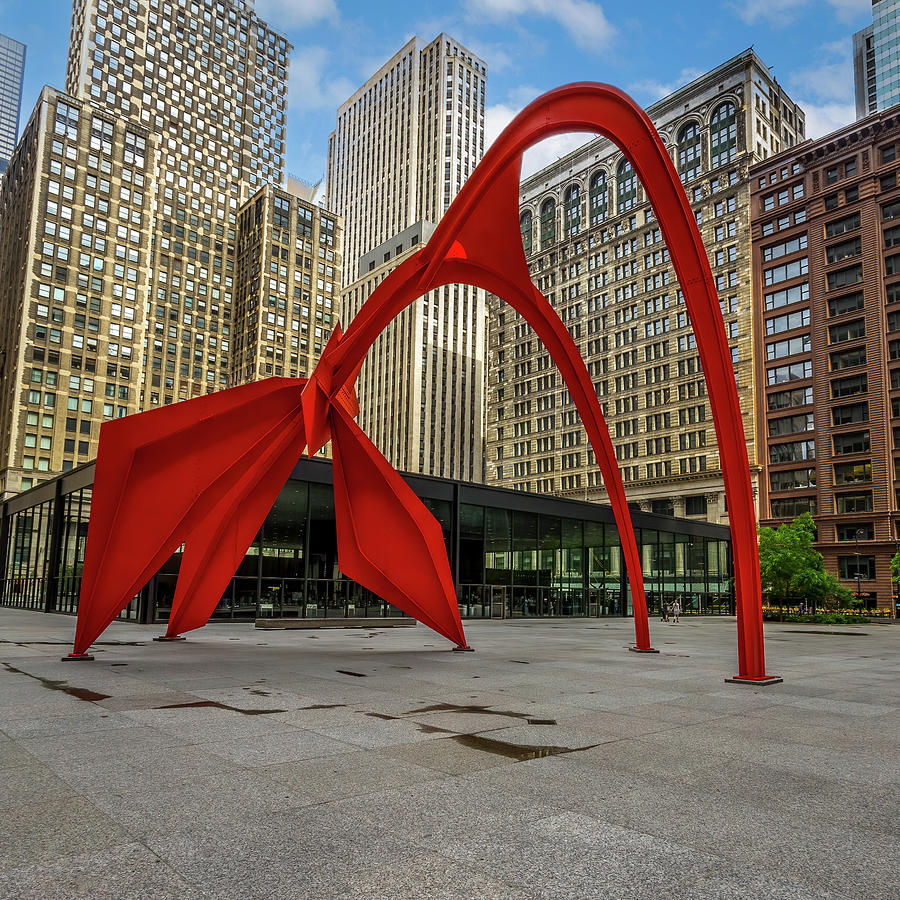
<point x="128" y="189"/>
<point x="404" y="145"/>
<point x="827" y="294"/>
<point x="876" y="59"/>
<point x="596" y="251"/>
<point x="12" y="77"/>
<point x="209" y="79"/>
<point x="74" y="256"/>
<point x="287" y="285"/>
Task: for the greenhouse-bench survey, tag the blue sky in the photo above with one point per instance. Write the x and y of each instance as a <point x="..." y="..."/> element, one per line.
<point x="647" y="48"/>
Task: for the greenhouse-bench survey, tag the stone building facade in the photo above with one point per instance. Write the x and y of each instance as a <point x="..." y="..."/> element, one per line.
<point x="403" y="146"/>
<point x="595" y="250"/>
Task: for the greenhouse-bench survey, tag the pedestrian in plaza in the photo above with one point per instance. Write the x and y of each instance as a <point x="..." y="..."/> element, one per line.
<point x="676" y="609"/>
<point x="668" y="611"/>
<point x="663" y="612"/>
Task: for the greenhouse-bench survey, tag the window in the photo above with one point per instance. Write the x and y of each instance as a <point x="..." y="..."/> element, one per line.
<point x="597" y="198"/>
<point x="780" y="349"/>
<point x="525" y="221"/>
<point x="863" y="531"/>
<point x="846" y="387"/>
<point x="785" y="248"/>
<point x="841" y="226"/>
<point x="788" y="322"/>
<point x="792" y="507"/>
<point x="853" y="473"/>
<point x="787" y="296"/>
<point x="548" y="223"/>
<point x="790" y="424"/>
<point x="689" y="158"/>
<point x="792" y="479"/>
<point x="851" y="568"/>
<point x="844" y="250"/>
<point x="788" y="399"/>
<point x="849" y="303"/>
<point x="847" y="331"/>
<point x="789" y="270"/>
<point x="851" y="442"/>
<point x="852" y="412"/>
<point x="723" y="135"/>
<point x="892" y="236"/>
<point x="792" y="372"/>
<point x="792" y="452"/>
<point x="848" y="358"/>
<point x="572" y="210"/>
<point x="626" y="187"/>
<point x="853" y="503"/>
<point x="843" y="277"/>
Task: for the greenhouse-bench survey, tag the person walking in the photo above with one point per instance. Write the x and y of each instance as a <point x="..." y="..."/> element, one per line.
<point x="676" y="609"/>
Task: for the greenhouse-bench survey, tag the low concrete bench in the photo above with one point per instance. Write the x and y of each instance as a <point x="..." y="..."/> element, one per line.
<point x="278" y="622"/>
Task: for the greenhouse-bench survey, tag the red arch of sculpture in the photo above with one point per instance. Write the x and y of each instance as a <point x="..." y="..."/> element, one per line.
<point x="206" y="472"/>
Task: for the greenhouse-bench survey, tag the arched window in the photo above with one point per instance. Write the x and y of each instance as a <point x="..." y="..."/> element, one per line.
<point x="689" y="159"/>
<point x="597" y="198"/>
<point x="723" y="135"/>
<point x="548" y="223"/>
<point x="626" y="187"/>
<point x="572" y="210"/>
<point x="525" y="227"/>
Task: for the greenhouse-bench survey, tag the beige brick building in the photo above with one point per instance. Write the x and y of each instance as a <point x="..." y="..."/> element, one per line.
<point x="173" y="116"/>
<point x="595" y="250"/>
<point x="74" y="254"/>
<point x="288" y="283"/>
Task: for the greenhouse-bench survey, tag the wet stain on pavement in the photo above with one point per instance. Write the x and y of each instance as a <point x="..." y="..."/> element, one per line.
<point x="518" y="752"/>
<point x="348" y="672"/>
<point x="214" y="704"/>
<point x="60" y="685"/>
<point x="324" y="706"/>
<point x="478" y="709"/>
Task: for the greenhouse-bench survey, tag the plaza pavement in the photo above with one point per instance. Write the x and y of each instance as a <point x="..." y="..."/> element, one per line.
<point x="361" y="763"/>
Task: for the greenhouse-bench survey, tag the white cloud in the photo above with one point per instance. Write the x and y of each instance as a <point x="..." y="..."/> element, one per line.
<point x="308" y="85"/>
<point x="584" y="20"/>
<point x="776" y="12"/>
<point x="830" y="78"/>
<point x="297" y="13"/>
<point x="850" y="10"/>
<point x="781" y="12"/>
<point x="823" y="118"/>
<point x="497" y="117"/>
<point x="650" y="90"/>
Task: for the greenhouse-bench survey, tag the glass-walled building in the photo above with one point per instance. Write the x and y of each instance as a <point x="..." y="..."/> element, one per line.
<point x="513" y="555"/>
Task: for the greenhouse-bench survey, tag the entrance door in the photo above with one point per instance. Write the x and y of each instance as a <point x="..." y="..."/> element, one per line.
<point x="498" y="602"/>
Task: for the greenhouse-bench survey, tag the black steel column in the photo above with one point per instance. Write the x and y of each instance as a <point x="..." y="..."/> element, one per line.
<point x="454" y="539"/>
<point x="56" y="531"/>
<point x="4" y="547"/>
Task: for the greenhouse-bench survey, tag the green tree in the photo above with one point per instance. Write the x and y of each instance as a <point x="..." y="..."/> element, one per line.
<point x="792" y="570"/>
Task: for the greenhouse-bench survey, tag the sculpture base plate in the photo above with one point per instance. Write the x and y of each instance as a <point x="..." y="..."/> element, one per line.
<point x="78" y="657"/>
<point x="164" y="638"/>
<point x="765" y="681"/>
<point x="643" y="650"/>
<point x="463" y="649"/>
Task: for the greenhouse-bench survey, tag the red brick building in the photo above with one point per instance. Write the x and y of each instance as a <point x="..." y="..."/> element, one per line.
<point x="825" y="226"/>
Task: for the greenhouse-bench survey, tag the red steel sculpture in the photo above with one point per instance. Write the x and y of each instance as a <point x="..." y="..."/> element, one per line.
<point x="206" y="472"/>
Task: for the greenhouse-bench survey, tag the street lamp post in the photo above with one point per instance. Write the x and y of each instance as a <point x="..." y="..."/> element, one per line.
<point x="856" y="535"/>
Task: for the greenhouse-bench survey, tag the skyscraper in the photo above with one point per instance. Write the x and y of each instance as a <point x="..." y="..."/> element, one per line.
<point x="126" y="195"/>
<point x="12" y="75"/>
<point x="403" y="146"/>
<point x="876" y="59"/>
<point x="596" y="251"/>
